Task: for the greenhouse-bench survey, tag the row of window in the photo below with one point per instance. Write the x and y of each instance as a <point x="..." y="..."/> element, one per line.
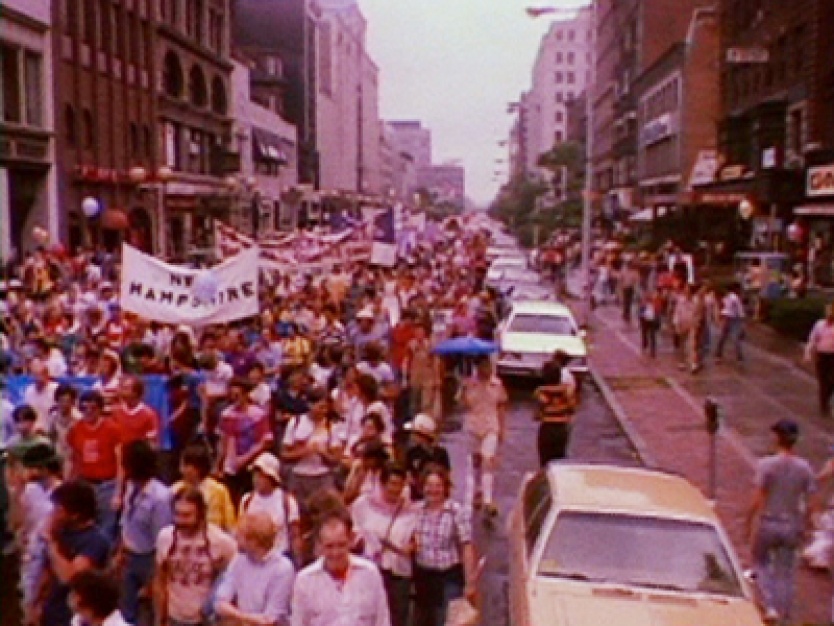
<point x="662" y="100"/>
<point x="565" y="77"/>
<point x="188" y="149"/>
<point x="200" y="21"/>
<point x="173" y="85"/>
<point x="786" y="64"/>
<point x="660" y="158"/>
<point x="107" y="26"/>
<point x="81" y="131"/>
<point x="21" y="87"/>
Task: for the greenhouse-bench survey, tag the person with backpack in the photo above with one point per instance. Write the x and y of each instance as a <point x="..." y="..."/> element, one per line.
<point x="269" y="497"/>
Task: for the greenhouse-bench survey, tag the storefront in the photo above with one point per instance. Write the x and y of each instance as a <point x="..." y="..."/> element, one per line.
<point x="814" y="224"/>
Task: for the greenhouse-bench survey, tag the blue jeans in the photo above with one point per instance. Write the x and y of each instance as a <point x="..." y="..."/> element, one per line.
<point x="434" y="590"/>
<point x="774" y="561"/>
<point x="138" y="572"/>
<point x="733" y="328"/>
<point x="107" y="522"/>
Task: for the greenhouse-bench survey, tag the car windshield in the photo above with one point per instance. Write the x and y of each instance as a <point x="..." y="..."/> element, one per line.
<point x="675" y="555"/>
<point x="547" y="324"/>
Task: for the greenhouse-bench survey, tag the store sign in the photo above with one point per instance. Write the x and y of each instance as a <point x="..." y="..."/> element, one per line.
<point x="703" y="172"/>
<point x="820" y="181"/>
<point x="747" y="55"/>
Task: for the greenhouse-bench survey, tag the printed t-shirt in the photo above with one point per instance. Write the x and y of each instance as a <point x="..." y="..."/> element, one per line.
<point x="94" y="449"/>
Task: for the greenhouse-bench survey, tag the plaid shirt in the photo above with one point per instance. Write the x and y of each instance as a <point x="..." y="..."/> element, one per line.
<point x="440" y="535"/>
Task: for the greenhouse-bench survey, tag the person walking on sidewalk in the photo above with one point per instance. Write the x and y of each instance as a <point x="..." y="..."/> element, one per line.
<point x="776" y="522"/>
<point x="629" y="282"/>
<point x="683" y="323"/>
<point x="732" y="322"/>
<point x="820" y="351"/>
<point x="651" y="308"/>
<point x="485" y="400"/>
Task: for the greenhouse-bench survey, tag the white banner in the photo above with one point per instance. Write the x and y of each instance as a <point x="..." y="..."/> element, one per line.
<point x="181" y="295"/>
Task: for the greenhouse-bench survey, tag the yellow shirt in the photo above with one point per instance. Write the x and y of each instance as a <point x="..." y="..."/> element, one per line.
<point x="219" y="509"/>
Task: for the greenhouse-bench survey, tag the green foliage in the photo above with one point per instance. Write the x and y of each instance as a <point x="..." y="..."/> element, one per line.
<point x="795" y="317"/>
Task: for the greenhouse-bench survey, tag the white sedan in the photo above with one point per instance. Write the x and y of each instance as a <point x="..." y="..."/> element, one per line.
<point x="532" y="332"/>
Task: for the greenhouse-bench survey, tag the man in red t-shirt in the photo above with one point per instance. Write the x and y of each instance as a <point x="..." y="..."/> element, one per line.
<point x="94" y="444"/>
<point x="135" y="419"/>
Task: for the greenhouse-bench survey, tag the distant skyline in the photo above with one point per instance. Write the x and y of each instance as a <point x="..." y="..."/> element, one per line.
<point x="455" y="65"/>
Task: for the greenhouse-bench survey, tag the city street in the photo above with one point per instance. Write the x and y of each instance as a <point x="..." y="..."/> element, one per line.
<point x="596" y="438"/>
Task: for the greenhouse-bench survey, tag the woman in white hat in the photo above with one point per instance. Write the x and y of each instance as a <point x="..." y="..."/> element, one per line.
<point x="424" y="452"/>
<point x="269" y="497"/>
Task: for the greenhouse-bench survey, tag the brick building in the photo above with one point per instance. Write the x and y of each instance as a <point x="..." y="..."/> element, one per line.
<point x="105" y="68"/>
<point x="776" y="117"/>
<point x="677" y="105"/>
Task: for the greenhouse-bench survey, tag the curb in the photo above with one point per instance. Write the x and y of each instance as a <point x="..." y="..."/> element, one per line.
<point x="644" y="455"/>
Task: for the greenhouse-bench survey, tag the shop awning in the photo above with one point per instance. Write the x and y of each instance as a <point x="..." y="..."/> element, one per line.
<point x="815" y="210"/>
<point x="267" y="147"/>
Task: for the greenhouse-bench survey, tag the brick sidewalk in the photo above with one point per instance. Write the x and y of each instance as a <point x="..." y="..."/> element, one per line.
<point x="661" y="409"/>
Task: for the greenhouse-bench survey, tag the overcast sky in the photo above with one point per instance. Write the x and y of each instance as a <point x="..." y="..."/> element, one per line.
<point x="455" y="64"/>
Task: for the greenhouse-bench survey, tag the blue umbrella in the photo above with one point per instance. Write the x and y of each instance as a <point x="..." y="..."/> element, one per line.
<point x="465" y="346"/>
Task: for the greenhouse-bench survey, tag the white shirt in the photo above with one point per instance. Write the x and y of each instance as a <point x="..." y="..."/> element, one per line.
<point x="42" y="401"/>
<point x="279" y="505"/>
<point x="56" y="363"/>
<point x="376" y="520"/>
<point x="304" y="430"/>
<point x="320" y="600"/>
<point x="217" y="380"/>
<point x="114" y="619"/>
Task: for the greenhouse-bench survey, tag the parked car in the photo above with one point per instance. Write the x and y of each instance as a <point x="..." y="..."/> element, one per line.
<point x="532" y="332"/>
<point x="593" y="545"/>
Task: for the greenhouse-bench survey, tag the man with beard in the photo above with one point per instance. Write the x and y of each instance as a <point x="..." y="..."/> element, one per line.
<point x="191" y="554"/>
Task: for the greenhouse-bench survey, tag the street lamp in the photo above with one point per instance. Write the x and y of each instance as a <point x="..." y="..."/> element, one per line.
<point x="588" y="194"/>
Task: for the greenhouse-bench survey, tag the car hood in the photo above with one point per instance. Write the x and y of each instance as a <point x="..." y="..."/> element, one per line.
<point x="535" y="343"/>
<point x="640" y="608"/>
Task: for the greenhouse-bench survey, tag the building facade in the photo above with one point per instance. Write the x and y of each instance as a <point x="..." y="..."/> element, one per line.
<point x="28" y="181"/>
<point x="193" y="97"/>
<point x="677" y="105"/>
<point x="105" y="70"/>
<point x="281" y="38"/>
<point x="560" y="74"/>
<point x="268" y="158"/>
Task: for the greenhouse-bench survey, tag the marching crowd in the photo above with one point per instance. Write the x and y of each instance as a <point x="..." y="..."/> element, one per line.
<point x="292" y="473"/>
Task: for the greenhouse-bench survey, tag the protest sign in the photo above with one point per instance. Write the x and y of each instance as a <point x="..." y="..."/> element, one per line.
<point x="180" y="295"/>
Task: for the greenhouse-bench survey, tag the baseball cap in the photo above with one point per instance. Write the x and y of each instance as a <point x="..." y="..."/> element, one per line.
<point x="269" y="465"/>
<point x="423" y="424"/>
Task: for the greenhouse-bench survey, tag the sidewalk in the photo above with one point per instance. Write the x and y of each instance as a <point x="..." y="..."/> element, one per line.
<point x="661" y="408"/>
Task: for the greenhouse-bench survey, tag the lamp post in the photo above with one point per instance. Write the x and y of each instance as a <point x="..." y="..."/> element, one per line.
<point x="588" y="193"/>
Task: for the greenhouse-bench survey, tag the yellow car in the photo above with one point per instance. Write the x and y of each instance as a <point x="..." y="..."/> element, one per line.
<point x="592" y="545"/>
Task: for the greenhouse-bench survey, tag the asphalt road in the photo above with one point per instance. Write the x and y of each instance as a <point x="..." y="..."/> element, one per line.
<point x="596" y="438"/>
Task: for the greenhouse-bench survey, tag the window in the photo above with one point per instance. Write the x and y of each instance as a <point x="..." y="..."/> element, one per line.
<point x="12" y="98"/>
<point x="146" y="141"/>
<point x="197" y="91"/>
<point x="559" y="35"/>
<point x="571" y="78"/>
<point x="570" y="58"/>
<point x="215" y="31"/>
<point x="135" y="34"/>
<point x="34" y="93"/>
<point x="104" y="41"/>
<point x="571" y="35"/>
<point x="172" y="78"/>
<point x="218" y="96"/>
<point x="559" y="78"/>
<point x="118" y="31"/>
<point x="89" y="21"/>
<point x="559" y="57"/>
<point x="69" y="125"/>
<point x="134" y="139"/>
<point x="558" y="136"/>
<point x="325" y="60"/>
<point x="198" y="21"/>
<point x="796" y="130"/>
<point x="88" y="130"/>
<point x="537" y="500"/>
<point x="559" y="96"/>
<point x="560" y="117"/>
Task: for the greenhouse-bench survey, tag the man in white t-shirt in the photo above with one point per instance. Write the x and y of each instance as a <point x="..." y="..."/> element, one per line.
<point x="40" y="395"/>
<point x="269" y="497"/>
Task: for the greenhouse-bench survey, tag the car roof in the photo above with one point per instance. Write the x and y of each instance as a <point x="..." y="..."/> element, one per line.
<point x="541" y="307"/>
<point x="627" y="490"/>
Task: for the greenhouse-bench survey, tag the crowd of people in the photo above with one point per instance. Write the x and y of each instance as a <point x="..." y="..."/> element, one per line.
<point x="293" y="473"/>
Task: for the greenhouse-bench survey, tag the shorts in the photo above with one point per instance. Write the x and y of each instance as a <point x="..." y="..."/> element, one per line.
<point x="486" y="445"/>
